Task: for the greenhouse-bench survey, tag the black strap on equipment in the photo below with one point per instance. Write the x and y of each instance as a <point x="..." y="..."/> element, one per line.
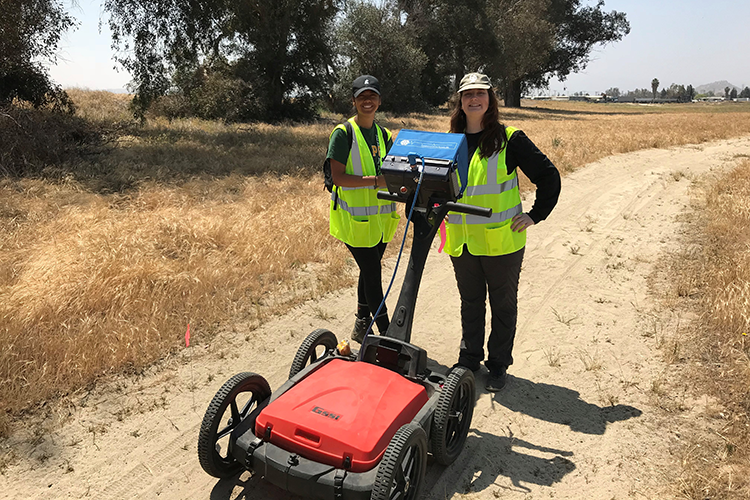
<point x="338" y="484"/>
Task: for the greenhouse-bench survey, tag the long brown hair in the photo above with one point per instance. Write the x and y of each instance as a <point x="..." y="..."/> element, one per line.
<point x="493" y="138"/>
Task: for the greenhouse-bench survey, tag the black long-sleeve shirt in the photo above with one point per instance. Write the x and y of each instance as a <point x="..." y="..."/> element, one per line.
<point x="522" y="153"/>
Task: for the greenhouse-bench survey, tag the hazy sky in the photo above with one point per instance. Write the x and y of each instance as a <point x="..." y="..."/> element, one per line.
<point x="684" y="42"/>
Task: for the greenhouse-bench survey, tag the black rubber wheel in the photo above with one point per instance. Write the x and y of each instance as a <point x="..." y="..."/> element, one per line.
<point x="234" y="402"/>
<point x="315" y="346"/>
<point x="402" y="470"/>
<point x="452" y="417"/>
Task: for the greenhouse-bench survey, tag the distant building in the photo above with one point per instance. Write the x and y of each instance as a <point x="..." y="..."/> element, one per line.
<point x="645" y="100"/>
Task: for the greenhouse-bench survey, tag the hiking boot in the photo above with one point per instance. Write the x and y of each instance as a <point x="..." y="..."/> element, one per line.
<point x="360" y="329"/>
<point x="497" y="379"/>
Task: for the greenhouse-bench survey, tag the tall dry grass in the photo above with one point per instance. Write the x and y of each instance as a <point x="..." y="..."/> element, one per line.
<point x="103" y="107"/>
<point x="97" y="284"/>
<point x="712" y="279"/>
<point x="106" y="257"/>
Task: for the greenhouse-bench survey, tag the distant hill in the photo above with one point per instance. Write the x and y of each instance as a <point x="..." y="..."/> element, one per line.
<point x="716" y="87"/>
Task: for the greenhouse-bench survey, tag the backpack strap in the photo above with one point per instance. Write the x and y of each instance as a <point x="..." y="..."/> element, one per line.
<point x="329" y="185"/>
<point x="349" y="132"/>
<point x="380" y="131"/>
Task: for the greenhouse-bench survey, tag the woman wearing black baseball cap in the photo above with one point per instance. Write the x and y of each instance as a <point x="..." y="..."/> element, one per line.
<point x="487" y="253"/>
<point x="357" y="217"/>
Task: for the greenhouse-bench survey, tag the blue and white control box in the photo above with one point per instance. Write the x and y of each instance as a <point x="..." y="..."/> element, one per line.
<point x="443" y="156"/>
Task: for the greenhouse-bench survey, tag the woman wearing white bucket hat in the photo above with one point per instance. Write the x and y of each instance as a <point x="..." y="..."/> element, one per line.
<point x="487" y="253"/>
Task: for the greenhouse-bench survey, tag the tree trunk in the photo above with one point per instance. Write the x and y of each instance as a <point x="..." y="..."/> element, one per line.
<point x="513" y="94"/>
<point x="459" y="70"/>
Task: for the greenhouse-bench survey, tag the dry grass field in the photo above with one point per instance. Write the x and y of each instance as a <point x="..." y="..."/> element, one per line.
<point x="105" y="259"/>
<point x="711" y="278"/>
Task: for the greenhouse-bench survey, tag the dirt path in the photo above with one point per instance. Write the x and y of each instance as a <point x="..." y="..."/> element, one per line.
<point x="579" y="417"/>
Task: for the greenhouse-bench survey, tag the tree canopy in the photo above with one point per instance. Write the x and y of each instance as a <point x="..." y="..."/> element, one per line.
<point x="271" y="56"/>
<point x="455" y="36"/>
<point x="372" y="40"/>
<point x="273" y="59"/>
<point x="520" y="44"/>
<point x="30" y="32"/>
<point x="566" y="32"/>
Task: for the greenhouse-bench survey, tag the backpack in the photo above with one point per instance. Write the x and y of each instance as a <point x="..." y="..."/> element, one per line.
<point x="327" y="177"/>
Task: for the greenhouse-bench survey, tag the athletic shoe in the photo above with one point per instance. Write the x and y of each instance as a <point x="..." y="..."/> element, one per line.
<point x="360" y="329"/>
<point x="497" y="379"/>
<point x="474" y="368"/>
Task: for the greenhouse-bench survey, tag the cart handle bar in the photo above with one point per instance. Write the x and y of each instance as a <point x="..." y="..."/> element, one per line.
<point x="451" y="205"/>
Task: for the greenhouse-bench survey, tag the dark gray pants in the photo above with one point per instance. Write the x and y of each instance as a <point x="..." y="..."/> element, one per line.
<point x="476" y="275"/>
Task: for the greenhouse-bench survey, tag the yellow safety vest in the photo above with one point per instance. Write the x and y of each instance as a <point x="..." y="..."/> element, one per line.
<point x="489" y="186"/>
<point x="357" y="216"/>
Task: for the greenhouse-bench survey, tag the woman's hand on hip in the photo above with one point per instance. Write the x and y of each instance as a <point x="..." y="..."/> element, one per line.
<point x="520" y="222"/>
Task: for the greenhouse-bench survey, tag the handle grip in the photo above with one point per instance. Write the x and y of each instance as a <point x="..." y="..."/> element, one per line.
<point x="385" y="195"/>
<point x="468" y="209"/>
<point x="451" y="205"/>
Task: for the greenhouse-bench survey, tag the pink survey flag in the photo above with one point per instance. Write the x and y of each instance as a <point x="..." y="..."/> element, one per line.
<point x="187" y="336"/>
<point x="442" y="233"/>
<point x="442" y="236"/>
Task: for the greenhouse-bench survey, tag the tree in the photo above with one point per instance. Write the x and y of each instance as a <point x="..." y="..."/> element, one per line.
<point x="30" y="32"/>
<point x="690" y="93"/>
<point x="455" y="36"/>
<point x="614" y="92"/>
<point x="525" y="41"/>
<point x="373" y="41"/>
<point x="733" y="94"/>
<point x="640" y="93"/>
<point x="519" y="44"/>
<point x="679" y="92"/>
<point x="275" y="55"/>
<point x="745" y="92"/>
<point x="726" y="92"/>
<point x="575" y="31"/>
<point x="654" y="86"/>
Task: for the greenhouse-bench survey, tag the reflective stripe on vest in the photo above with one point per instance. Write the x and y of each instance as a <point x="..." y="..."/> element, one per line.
<point x="359" y="218"/>
<point x="490" y="187"/>
<point x="365" y="211"/>
<point x="355" y="155"/>
<point x="495" y="218"/>
<point x="387" y="209"/>
<point x="356" y="165"/>
<point x="358" y="211"/>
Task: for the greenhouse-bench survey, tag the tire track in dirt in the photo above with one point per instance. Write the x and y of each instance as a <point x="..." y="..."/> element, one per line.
<point x="602" y="211"/>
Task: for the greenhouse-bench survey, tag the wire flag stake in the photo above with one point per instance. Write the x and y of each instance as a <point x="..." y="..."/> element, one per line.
<point x="190" y="356"/>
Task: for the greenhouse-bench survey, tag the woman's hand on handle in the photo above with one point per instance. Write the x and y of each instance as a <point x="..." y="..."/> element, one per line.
<point x="521" y="222"/>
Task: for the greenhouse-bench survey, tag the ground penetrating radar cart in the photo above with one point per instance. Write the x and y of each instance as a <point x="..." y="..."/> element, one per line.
<point x="358" y="424"/>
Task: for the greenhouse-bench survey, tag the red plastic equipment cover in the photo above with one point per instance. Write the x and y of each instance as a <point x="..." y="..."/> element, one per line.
<point x="344" y="409"/>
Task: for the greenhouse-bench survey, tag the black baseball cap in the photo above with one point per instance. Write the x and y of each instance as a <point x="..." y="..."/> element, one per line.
<point x="365" y="82"/>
